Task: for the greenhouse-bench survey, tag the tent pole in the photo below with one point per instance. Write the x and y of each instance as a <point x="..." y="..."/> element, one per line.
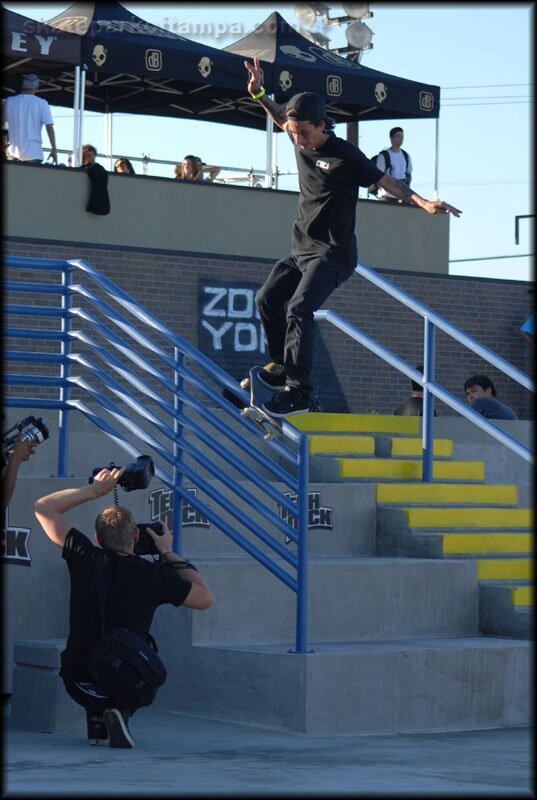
<point x="108" y="138"/>
<point x="81" y="113"/>
<point x="76" y="113"/>
<point x="435" y="194"/>
<point x="268" y="165"/>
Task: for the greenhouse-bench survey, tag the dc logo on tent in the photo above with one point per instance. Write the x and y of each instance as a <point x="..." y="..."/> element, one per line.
<point x="426" y="101"/>
<point x="153" y="60"/>
<point x="333" y="85"/>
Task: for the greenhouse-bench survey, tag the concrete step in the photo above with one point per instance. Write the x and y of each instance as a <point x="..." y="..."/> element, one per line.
<point x="398" y="469"/>
<point x="396" y="685"/>
<point x="459" y="494"/>
<point x="506" y="609"/>
<point x="349" y="599"/>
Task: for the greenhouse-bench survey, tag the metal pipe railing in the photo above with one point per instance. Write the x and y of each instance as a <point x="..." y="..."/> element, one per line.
<point x="177" y="389"/>
<point x="432" y="321"/>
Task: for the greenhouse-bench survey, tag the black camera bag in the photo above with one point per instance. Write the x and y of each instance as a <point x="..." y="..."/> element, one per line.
<point x="125" y="663"/>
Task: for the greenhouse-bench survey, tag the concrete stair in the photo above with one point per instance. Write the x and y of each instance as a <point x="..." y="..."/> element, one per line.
<point x="466" y="519"/>
<point x="394" y="642"/>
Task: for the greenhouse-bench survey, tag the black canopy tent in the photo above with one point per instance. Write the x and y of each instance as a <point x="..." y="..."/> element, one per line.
<point x="135" y="67"/>
<point x="352" y="91"/>
<point x="28" y="45"/>
<point x="131" y="66"/>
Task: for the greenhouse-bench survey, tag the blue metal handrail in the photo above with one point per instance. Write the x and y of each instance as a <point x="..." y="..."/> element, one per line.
<point x="431" y="389"/>
<point x="136" y="364"/>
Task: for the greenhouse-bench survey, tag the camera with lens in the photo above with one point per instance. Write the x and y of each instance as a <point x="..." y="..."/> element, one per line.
<point x="135" y="475"/>
<point x="33" y="430"/>
<point x="145" y="546"/>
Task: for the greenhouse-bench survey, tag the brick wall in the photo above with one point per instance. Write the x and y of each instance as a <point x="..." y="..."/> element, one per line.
<point x="346" y="375"/>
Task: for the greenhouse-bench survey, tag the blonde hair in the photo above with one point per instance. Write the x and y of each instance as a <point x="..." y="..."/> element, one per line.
<point x="115" y="527"/>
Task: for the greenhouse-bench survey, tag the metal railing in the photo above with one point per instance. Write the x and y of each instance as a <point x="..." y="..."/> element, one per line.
<point x="431" y="389"/>
<point x="167" y="395"/>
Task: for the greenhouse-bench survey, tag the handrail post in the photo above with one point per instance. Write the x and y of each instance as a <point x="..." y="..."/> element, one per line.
<point x="65" y="368"/>
<point x="177" y="525"/>
<point x="428" y="400"/>
<point x="302" y="530"/>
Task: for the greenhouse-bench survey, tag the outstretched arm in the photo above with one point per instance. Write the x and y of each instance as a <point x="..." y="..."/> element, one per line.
<point x="274" y="110"/>
<point x="50" y="509"/>
<point x="404" y="192"/>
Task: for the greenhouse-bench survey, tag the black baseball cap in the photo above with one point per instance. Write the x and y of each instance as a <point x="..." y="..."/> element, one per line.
<point x="307" y="107"/>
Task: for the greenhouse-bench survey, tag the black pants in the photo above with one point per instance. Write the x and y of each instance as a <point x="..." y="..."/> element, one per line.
<point x="304" y="283"/>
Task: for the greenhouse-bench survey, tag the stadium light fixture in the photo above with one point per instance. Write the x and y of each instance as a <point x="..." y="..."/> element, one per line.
<point x="307" y="13"/>
<point x="358" y="35"/>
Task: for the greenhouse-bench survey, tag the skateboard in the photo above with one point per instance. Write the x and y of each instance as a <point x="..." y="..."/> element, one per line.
<point x="245" y="384"/>
<point x="270" y="426"/>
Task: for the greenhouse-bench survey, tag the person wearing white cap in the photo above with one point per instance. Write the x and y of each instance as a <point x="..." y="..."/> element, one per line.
<point x="25" y="115"/>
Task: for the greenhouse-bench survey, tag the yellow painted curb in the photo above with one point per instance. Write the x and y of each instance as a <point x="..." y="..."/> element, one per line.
<point x="401" y="468"/>
<point x="326" y="443"/>
<point x="446" y="493"/>
<point x="406" y="446"/>
<point x="522" y="595"/>
<point x="469" y="517"/>
<point x="505" y="569"/>
<point x="487" y="543"/>
<point x="355" y="423"/>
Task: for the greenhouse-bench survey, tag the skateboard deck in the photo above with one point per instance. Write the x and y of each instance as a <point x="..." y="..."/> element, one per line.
<point x="259" y="393"/>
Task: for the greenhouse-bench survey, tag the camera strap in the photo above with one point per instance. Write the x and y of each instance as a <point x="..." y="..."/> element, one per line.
<point x="102" y="572"/>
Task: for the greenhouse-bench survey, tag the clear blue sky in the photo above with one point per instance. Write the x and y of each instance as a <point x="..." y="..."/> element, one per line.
<point x="480" y="56"/>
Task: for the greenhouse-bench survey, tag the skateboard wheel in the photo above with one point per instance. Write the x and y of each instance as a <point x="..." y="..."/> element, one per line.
<point x="245" y="412"/>
<point x="268" y="436"/>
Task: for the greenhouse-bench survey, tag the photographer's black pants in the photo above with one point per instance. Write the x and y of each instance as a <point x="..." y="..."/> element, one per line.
<point x="93" y="699"/>
<point x="304" y="283"/>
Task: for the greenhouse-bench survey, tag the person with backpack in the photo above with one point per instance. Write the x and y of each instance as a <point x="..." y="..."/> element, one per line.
<point x="114" y="590"/>
<point x="395" y="162"/>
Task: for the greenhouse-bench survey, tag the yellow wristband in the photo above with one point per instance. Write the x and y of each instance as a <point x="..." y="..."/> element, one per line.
<point x="257" y="95"/>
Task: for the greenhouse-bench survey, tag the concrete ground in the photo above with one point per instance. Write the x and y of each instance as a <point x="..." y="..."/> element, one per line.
<point x="182" y="756"/>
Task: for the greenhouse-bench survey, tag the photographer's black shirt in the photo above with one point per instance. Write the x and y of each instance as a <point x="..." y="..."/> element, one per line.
<point x="137" y="587"/>
<point x="329" y="179"/>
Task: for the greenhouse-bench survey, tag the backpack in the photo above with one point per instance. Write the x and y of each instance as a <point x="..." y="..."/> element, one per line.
<point x="374" y="188"/>
<point x="126" y="665"/>
<point x="124" y="662"/>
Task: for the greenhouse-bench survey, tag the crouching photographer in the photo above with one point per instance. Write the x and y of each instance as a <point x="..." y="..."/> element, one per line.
<point x="113" y="597"/>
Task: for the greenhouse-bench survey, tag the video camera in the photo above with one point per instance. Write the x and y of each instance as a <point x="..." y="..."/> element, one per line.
<point x="33" y="430"/>
<point x="135" y="476"/>
<point x="145" y="546"/>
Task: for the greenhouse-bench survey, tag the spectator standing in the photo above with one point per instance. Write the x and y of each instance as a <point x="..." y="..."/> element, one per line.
<point x="99" y="200"/>
<point x="21" y="451"/>
<point x="395" y="162"/>
<point x="481" y="394"/>
<point x="124" y="167"/>
<point x="193" y="168"/>
<point x="25" y="115"/>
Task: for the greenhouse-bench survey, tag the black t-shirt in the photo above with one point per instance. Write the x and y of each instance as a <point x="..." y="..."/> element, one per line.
<point x="413" y="407"/>
<point x="136" y="587"/>
<point x="329" y="179"/>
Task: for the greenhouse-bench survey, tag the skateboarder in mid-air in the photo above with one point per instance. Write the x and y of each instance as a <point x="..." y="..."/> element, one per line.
<point x="324" y="251"/>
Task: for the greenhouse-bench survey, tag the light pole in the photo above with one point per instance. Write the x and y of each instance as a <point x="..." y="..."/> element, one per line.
<point x="357" y="33"/>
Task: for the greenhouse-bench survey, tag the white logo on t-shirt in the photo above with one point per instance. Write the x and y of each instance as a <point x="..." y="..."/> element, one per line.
<point x="323" y="165"/>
